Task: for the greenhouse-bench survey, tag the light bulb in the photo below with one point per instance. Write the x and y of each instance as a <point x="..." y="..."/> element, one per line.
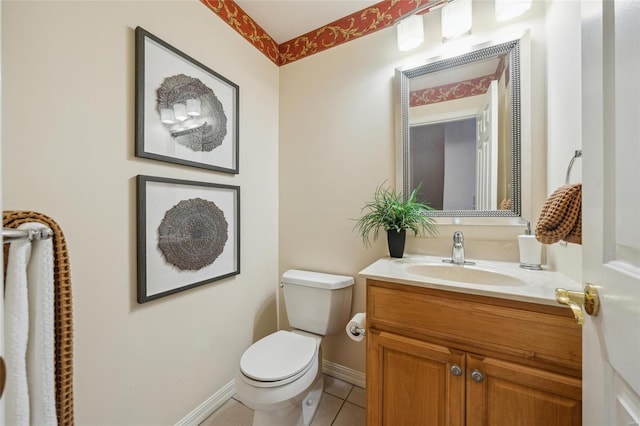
<point x="507" y="9"/>
<point x="410" y="33"/>
<point x="456" y="19"/>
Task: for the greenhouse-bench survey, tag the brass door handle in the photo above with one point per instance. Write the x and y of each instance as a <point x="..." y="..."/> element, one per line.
<point x="576" y="299"/>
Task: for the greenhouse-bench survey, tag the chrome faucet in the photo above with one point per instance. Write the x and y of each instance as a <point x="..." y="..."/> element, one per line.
<point x="457" y="252"/>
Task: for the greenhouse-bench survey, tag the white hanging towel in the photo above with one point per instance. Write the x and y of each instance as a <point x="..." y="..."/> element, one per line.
<point x="33" y="278"/>
<point x="41" y="346"/>
<point x="16" y="332"/>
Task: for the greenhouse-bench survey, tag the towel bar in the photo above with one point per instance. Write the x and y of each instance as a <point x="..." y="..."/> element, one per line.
<point x="577" y="154"/>
<point x="10" y="234"/>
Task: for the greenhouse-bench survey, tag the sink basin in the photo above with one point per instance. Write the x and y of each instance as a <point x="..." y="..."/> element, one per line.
<point x="468" y="274"/>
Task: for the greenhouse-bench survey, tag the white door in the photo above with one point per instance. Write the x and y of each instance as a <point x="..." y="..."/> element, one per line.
<point x="487" y="151"/>
<point x="611" y="209"/>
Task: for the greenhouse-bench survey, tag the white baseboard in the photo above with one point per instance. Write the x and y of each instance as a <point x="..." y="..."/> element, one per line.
<point x="343" y="373"/>
<point x="208" y="407"/>
<point x="217" y="400"/>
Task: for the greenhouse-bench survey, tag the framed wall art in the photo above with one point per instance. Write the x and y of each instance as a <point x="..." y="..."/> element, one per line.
<point x="188" y="234"/>
<point x="186" y="113"/>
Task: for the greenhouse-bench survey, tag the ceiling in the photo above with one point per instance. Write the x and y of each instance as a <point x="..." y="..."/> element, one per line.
<point x="284" y="20"/>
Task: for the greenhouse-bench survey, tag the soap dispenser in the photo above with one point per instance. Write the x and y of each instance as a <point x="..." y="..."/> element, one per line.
<point x="530" y="250"/>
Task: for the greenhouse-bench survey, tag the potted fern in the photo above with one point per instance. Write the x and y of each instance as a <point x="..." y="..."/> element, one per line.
<point x="391" y="212"/>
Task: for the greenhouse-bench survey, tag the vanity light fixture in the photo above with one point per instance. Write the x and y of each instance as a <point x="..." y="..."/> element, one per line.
<point x="410" y="33"/>
<point x="507" y="9"/>
<point x="456" y="19"/>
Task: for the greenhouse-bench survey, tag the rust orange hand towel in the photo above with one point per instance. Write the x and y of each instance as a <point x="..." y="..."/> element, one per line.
<point x="561" y="216"/>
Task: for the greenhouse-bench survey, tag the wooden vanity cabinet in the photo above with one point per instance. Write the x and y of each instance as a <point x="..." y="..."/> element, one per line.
<point x="411" y="383"/>
<point x="444" y="358"/>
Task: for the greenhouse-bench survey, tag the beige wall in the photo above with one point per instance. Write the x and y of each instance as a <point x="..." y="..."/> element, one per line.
<point x="316" y="138"/>
<point x="564" y="111"/>
<point x="68" y="143"/>
<point x="337" y="145"/>
<point x="336" y="132"/>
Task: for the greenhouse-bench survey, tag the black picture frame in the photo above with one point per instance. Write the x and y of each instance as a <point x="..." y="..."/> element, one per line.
<point x="188" y="234"/>
<point x="186" y="113"/>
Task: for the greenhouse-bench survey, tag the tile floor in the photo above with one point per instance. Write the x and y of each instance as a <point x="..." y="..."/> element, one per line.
<point x="342" y="404"/>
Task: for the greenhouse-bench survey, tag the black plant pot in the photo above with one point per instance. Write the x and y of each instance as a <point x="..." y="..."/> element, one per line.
<point x="396" y="242"/>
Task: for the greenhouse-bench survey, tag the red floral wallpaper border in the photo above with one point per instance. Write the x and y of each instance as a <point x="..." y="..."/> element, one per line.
<point x="462" y="89"/>
<point x="367" y="21"/>
<point x="358" y="24"/>
<point x="447" y="92"/>
<point x="237" y="19"/>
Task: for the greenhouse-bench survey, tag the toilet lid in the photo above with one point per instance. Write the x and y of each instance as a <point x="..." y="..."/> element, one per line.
<point x="278" y="356"/>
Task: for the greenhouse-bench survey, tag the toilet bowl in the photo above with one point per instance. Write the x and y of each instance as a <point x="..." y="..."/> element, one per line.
<point x="284" y="383"/>
<point x="280" y="376"/>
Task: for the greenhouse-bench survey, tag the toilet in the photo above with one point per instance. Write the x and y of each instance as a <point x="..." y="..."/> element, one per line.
<point x="280" y="376"/>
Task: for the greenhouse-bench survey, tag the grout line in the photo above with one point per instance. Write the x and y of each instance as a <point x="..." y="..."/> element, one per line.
<point x="338" y="413"/>
<point x="351" y="402"/>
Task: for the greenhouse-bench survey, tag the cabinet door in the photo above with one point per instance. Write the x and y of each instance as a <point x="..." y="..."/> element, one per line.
<point x="411" y="382"/>
<point x="500" y="393"/>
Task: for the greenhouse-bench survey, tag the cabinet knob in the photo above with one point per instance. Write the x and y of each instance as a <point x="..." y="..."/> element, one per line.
<point x="477" y="376"/>
<point x="456" y="370"/>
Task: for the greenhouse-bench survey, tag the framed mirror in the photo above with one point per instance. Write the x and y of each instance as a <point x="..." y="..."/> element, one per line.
<point x="459" y="133"/>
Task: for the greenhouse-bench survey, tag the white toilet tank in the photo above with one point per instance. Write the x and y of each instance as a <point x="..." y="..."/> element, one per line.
<point x="317" y="302"/>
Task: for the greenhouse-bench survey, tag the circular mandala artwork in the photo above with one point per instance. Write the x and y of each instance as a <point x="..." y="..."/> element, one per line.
<point x="193" y="234"/>
<point x="204" y="132"/>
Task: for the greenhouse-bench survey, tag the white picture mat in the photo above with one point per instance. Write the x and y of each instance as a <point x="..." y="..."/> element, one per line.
<point x="162" y="276"/>
<point x="161" y="63"/>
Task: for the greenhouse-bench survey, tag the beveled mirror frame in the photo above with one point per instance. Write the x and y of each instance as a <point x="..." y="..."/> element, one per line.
<point x="402" y="125"/>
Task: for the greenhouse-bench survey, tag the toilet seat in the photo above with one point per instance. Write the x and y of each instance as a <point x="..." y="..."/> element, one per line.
<point x="278" y="359"/>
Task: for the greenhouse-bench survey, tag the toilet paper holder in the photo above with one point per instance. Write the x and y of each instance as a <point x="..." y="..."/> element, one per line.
<point x="356" y="327"/>
<point x="357" y="331"/>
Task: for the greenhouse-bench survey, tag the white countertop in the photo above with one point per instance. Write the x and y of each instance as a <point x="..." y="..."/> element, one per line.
<point x="537" y="287"/>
